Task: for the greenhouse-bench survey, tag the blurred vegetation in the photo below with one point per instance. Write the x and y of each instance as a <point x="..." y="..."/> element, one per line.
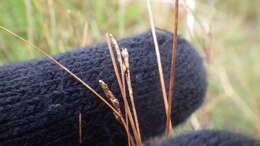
<point x="226" y="33"/>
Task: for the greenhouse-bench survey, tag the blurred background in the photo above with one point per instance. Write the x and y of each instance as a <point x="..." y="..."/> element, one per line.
<point x="226" y="33"/>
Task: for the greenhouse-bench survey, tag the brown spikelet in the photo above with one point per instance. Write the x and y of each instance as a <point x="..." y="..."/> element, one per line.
<point x="116" y="105"/>
<point x="111" y="98"/>
<point x="121" y="82"/>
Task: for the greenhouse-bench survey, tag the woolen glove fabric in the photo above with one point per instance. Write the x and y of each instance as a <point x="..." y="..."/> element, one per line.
<point x="211" y="138"/>
<point x="40" y="102"/>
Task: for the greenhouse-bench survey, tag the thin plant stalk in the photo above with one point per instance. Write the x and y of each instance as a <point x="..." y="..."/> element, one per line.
<point x="130" y="89"/>
<point x="122" y="70"/>
<point x="30" y="28"/>
<point x="114" y="61"/>
<point x="119" y="79"/>
<point x="129" y="114"/>
<point x="85" y="34"/>
<point x="28" y="12"/>
<point x="80" y="129"/>
<point x="127" y="108"/>
<point x="41" y="51"/>
<point x="173" y="59"/>
<point x="52" y="25"/>
<point x="157" y="50"/>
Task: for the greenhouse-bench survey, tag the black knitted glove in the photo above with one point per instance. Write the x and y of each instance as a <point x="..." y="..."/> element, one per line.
<point x="211" y="138"/>
<point x="40" y="102"/>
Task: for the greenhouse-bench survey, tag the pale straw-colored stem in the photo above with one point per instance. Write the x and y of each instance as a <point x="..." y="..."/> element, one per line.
<point x="41" y="51"/>
<point x="157" y="50"/>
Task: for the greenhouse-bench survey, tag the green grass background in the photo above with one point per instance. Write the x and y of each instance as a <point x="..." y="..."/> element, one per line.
<point x="233" y="99"/>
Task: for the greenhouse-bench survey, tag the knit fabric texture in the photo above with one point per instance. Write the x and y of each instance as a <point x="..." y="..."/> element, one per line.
<point x="40" y="102"/>
<point x="211" y="138"/>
